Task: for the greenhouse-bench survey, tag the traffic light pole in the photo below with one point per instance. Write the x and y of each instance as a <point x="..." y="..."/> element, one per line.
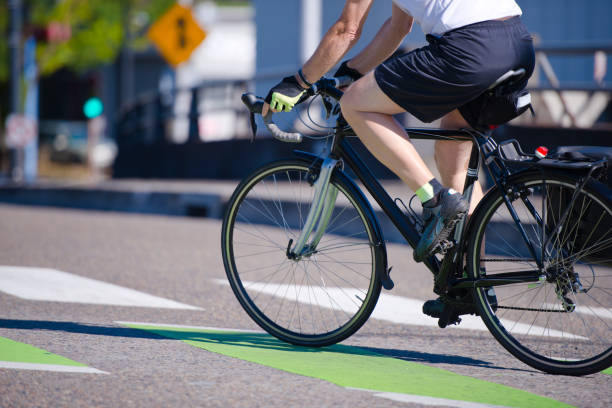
<point x="15" y="30"/>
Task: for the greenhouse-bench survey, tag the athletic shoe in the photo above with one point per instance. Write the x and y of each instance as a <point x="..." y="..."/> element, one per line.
<point x="439" y="222"/>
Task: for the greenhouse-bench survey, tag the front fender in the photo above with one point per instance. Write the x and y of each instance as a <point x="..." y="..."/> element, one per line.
<point x="381" y="248"/>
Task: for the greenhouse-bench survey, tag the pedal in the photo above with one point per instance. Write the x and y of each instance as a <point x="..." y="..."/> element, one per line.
<point x="449" y="316"/>
<point x="433" y="308"/>
<point x="444" y="246"/>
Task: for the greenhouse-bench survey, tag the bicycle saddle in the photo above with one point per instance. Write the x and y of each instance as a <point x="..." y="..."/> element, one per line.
<point x="507" y="78"/>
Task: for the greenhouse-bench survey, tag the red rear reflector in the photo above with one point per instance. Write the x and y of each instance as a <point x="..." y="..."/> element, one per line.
<point x="541" y="152"/>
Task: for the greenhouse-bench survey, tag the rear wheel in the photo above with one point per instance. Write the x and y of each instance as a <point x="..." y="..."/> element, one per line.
<point x="317" y="299"/>
<point x="561" y="321"/>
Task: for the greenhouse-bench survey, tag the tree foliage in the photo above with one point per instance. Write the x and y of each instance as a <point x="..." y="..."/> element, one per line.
<point x="98" y="30"/>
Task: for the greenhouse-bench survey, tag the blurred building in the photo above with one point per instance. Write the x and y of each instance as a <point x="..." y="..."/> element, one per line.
<point x="565" y="28"/>
<point x="568" y="22"/>
<point x="271" y="39"/>
<point x="250" y="46"/>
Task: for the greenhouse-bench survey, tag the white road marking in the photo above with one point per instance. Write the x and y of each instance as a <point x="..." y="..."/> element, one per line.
<point x="419" y="399"/>
<point x="53" y="285"/>
<point x="50" y="367"/>
<point x="391" y="308"/>
<point x="180" y="326"/>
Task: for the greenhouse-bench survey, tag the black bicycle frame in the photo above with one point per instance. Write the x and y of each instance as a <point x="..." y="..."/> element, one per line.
<point x="483" y="146"/>
<point x="342" y="149"/>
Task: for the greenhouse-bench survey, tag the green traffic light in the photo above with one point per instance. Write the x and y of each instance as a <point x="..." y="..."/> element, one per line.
<point x="93" y="108"/>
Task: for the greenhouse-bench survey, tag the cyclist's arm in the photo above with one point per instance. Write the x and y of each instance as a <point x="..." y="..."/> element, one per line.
<point x="386" y="41"/>
<point x="338" y="40"/>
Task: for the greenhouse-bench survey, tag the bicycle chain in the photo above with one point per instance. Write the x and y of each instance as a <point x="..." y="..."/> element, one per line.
<point x="529" y="309"/>
<point x="508" y="260"/>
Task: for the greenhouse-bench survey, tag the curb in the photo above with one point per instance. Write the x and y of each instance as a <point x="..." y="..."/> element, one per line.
<point x="143" y="202"/>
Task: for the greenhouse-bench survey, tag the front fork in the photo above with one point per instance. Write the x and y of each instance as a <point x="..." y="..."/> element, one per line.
<point x="322" y="207"/>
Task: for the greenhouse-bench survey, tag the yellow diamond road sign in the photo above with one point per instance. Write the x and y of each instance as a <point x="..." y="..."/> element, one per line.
<point x="176" y="34"/>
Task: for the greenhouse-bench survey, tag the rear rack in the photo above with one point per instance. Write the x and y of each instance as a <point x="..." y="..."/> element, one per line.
<point x="510" y="152"/>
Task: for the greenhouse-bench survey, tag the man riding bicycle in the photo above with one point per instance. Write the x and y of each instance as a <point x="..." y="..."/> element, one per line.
<point x="472" y="43"/>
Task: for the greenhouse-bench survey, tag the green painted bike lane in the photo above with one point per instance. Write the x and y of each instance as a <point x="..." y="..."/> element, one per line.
<point x="353" y="367"/>
<point x="16" y="352"/>
<point x="22" y="356"/>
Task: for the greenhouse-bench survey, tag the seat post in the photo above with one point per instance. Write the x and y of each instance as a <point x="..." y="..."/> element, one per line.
<point x="472" y="171"/>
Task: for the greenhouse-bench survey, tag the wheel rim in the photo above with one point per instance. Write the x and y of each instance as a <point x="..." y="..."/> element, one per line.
<point x="317" y="296"/>
<point x="553" y="320"/>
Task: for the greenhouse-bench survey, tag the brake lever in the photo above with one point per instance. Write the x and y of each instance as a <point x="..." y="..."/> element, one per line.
<point x="253" y="126"/>
<point x="328" y="106"/>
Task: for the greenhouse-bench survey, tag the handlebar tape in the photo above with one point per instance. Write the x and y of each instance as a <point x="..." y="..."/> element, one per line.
<point x="255" y="105"/>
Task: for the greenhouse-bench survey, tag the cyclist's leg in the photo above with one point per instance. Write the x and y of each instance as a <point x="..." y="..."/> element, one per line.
<point x="370" y="113"/>
<point x="452" y="158"/>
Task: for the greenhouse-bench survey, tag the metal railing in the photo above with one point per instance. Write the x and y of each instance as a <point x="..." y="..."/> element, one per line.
<point x="189" y="115"/>
<point x="599" y="51"/>
<point x="157" y="116"/>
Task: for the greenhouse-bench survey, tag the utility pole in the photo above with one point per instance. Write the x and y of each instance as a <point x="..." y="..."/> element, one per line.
<point x="312" y="15"/>
<point x="15" y="29"/>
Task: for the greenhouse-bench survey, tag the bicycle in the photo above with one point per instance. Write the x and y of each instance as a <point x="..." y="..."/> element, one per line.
<point x="306" y="258"/>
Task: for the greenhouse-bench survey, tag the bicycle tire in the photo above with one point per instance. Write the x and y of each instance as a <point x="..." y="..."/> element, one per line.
<point x="552" y="325"/>
<point x="316" y="287"/>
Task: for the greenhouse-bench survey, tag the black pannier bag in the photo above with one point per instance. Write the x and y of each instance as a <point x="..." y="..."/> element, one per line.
<point x="592" y="228"/>
<point x="498" y="105"/>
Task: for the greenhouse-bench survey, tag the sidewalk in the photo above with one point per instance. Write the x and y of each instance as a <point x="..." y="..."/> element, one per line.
<point x="178" y="198"/>
<point x="171" y="197"/>
<point x="197" y="198"/>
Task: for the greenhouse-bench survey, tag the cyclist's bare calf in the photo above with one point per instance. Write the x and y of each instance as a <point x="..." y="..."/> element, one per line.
<point x="452" y="158"/>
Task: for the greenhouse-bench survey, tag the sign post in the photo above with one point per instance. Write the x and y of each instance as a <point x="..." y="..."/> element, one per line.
<point x="15" y="9"/>
<point x="30" y="71"/>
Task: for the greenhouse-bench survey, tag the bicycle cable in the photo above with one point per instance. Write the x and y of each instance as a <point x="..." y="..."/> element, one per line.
<point x="329" y="129"/>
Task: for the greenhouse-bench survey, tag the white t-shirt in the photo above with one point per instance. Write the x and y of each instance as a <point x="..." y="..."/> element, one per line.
<point x="439" y="16"/>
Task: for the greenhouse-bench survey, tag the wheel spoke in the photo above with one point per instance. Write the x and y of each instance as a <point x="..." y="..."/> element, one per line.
<point x="564" y="319"/>
<point x="312" y="299"/>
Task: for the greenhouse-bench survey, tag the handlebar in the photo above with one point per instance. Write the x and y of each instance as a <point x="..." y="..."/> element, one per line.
<point x="325" y="86"/>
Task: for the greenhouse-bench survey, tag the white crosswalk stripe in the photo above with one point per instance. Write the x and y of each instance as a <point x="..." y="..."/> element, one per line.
<point x="50" y="367"/>
<point x="53" y="285"/>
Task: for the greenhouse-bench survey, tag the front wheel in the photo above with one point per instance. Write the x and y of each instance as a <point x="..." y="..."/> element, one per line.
<point x="557" y="318"/>
<point x="322" y="296"/>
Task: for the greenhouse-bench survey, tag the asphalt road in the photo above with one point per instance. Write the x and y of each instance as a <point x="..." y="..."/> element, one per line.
<point x="179" y="259"/>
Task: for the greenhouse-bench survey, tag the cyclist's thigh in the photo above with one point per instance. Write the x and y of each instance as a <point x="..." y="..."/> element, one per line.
<point x="366" y="96"/>
<point x="453" y="120"/>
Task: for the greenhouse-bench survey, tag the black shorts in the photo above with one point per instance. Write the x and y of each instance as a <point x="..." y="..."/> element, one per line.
<point x="456" y="68"/>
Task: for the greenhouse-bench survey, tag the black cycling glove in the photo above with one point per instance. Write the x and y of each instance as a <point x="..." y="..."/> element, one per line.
<point x="285" y="95"/>
<point x="345" y="70"/>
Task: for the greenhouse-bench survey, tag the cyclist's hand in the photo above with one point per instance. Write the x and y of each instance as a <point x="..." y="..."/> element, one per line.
<point x="345" y="70"/>
<point x="284" y="96"/>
